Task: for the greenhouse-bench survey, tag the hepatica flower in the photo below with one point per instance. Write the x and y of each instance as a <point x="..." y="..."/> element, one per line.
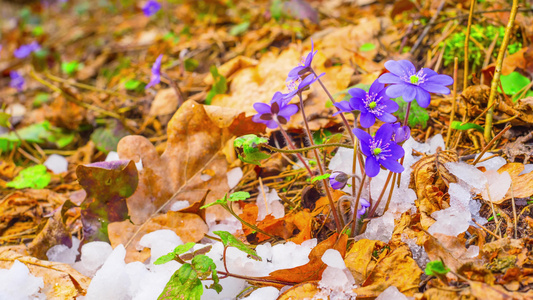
<point x="374" y="104"/>
<point x="380" y="150"/>
<point x="407" y="82"/>
<point x="338" y="180"/>
<point x="304" y="67"/>
<point x="299" y="85"/>
<point x="156" y="73"/>
<point x="151" y="7"/>
<point x="17" y="81"/>
<point x="277" y="112"/>
<point x="364" y="205"/>
<point x="25" y="50"/>
<point x="401" y="133"/>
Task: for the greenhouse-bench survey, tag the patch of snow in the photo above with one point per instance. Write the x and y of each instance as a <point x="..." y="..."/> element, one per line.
<point x="380" y="228"/>
<point x="56" y="163"/>
<point x="436" y="142"/>
<point x="64" y="254"/>
<point x="419" y="253"/>
<point x="337" y="281"/>
<point x="392" y="293"/>
<point x="93" y="256"/>
<point x="527" y="169"/>
<point x="497" y="185"/>
<point x="272" y="205"/>
<point x="266" y="293"/>
<point x="468" y="174"/>
<point x="491" y="164"/>
<point x="178" y="205"/>
<point x="234" y="176"/>
<point x="333" y="259"/>
<point x="18" y="284"/>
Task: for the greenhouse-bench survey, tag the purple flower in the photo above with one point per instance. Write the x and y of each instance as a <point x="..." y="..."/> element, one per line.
<point x="338" y="180"/>
<point x="380" y="150"/>
<point x="304" y="67"/>
<point x="278" y="112"/>
<point x="25" y="50"/>
<point x="17" y="81"/>
<point x="364" y="205"/>
<point x="299" y="85"/>
<point x="156" y="73"/>
<point x="151" y="7"/>
<point x="373" y="104"/>
<point x="410" y="84"/>
<point x="401" y="133"/>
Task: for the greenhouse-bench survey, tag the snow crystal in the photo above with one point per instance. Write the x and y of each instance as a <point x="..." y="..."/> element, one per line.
<point x="379" y="228"/>
<point x="111" y="281"/>
<point x="234" y="176"/>
<point x="333" y="259"/>
<point x="229" y="224"/>
<point x="527" y="169"/>
<point x="64" y="254"/>
<point x="272" y="205"/>
<point x="468" y="174"/>
<point x="391" y="293"/>
<point x="498" y="185"/>
<point x="18" y="284"/>
<point x="419" y="253"/>
<point x="435" y="143"/>
<point x="160" y="243"/>
<point x="265" y="293"/>
<point x="56" y="163"/>
<point x="491" y="164"/>
<point x="402" y="200"/>
<point x="178" y="205"/>
<point x="471" y="252"/>
<point x="93" y="256"/>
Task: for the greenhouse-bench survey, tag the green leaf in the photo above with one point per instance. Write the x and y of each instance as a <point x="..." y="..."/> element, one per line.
<point x="417" y="115"/>
<point x="367" y="47"/>
<point x="106" y="138"/>
<point x="184" y="285"/>
<point x="320" y="136"/>
<point x="4" y="119"/>
<point x="191" y="64"/>
<point x="457" y="125"/>
<point x="132" y="84"/>
<point x="70" y="67"/>
<point x="514" y="83"/>
<point x="238" y="196"/>
<point x="230" y="241"/>
<point x="248" y="151"/>
<point x="34" y="177"/>
<point x="276" y="9"/>
<point x="436" y="268"/>
<point x="172" y="255"/>
<point x="239" y="28"/>
<point x="36" y="133"/>
<point x="37" y="30"/>
<point x="40" y="99"/>
<point x="219" y="85"/>
<point x="325" y="176"/>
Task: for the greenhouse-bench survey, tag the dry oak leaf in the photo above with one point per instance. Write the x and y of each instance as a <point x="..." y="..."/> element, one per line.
<point x="302" y="291"/>
<point x="61" y="281"/>
<point x="450" y="249"/>
<point x="196" y="140"/>
<point x="314" y="268"/>
<point x="359" y="259"/>
<point x="397" y="269"/>
<point x="480" y="290"/>
<point x="522" y="185"/>
<point x="189" y="227"/>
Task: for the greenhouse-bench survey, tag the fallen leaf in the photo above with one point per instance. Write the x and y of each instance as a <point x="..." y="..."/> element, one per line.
<point x="522" y="185"/>
<point x="359" y="259"/>
<point x="165" y="103"/>
<point x="302" y="291"/>
<point x="61" y="281"/>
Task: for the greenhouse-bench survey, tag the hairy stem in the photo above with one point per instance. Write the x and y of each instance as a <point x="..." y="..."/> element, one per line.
<point x="291" y="145"/>
<point x="304" y="149"/>
<point x="357" y="203"/>
<point x="371" y="214"/>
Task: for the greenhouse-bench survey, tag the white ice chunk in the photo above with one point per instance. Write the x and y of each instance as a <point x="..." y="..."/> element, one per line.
<point x="180" y="204"/>
<point x="229" y="224"/>
<point x="64" y="254"/>
<point x="112" y="156"/>
<point x="266" y="293"/>
<point x="18" y="284"/>
<point x="234" y="176"/>
<point x="336" y="284"/>
<point x="272" y="204"/>
<point x="160" y="242"/>
<point x="333" y="259"/>
<point x="468" y="174"/>
<point x="419" y="253"/>
<point x="472" y="252"/>
<point x="491" y="164"/>
<point x="498" y="185"/>
<point x="379" y="228"/>
<point x="450" y="221"/>
<point x="111" y="281"/>
<point x="435" y="143"/>
<point x="391" y="293"/>
<point x="527" y="169"/>
<point x="56" y="163"/>
<point x="93" y="256"/>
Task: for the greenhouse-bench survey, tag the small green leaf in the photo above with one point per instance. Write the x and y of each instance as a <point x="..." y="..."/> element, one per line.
<point x="34" y="177"/>
<point x="222" y="201"/>
<point x="238" y="196"/>
<point x="191" y="64"/>
<point x="4" y="119"/>
<point x="219" y="85"/>
<point x="325" y="176"/>
<point x="230" y="241"/>
<point x="248" y="151"/>
<point x="132" y="84"/>
<point x="106" y="138"/>
<point x="367" y="47"/>
<point x="38" y="30"/>
<point x="41" y="98"/>
<point x="184" y="284"/>
<point x="457" y="125"/>
<point x="172" y="255"/>
<point x="70" y="67"/>
<point x="417" y="114"/>
<point x="35" y="133"/>
<point x="514" y="83"/>
<point x="239" y="28"/>
<point x="436" y="268"/>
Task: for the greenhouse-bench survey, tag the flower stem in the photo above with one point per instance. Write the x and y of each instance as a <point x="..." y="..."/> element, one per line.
<point x="407" y="111"/>
<point x="291" y="145"/>
<point x="357" y="203"/>
<point x="346" y="124"/>
<point x="381" y="195"/>
<point x="320" y="168"/>
<point x="304" y="149"/>
<point x="396" y="175"/>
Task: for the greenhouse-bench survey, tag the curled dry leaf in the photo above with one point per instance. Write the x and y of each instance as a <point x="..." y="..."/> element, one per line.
<point x="522" y="185"/>
<point x="61" y="281"/>
<point x="451" y="249"/>
<point x="306" y="290"/>
<point x="359" y="259"/>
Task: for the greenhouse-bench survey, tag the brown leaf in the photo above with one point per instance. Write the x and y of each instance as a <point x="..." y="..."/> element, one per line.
<point x="61" y="281"/>
<point x="450" y="249"/>
<point x="302" y="291"/>
<point x="481" y="290"/>
<point x="54" y="232"/>
<point x="165" y="103"/>
<point x="397" y="269"/>
<point x="522" y="185"/>
<point x="314" y="268"/>
<point x="359" y="259"/>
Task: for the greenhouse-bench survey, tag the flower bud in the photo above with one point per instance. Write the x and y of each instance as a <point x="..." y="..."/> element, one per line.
<point x="364" y="205"/>
<point x="338" y="180"/>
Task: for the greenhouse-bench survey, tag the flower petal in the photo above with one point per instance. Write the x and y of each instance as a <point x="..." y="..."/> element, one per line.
<point x="384" y="133"/>
<point x="294" y="73"/>
<point x="362" y="135"/>
<point x="272" y="124"/>
<point x="440" y="79"/>
<point x="407" y="66"/>
<point x="396" y="150"/>
<point x="409" y="93"/>
<point x="357" y="93"/>
<point x="371" y="166"/>
<point x="344" y="106"/>
<point x="262" y="108"/>
<point x="392" y="165"/>
<point x="390" y="106"/>
<point x="422" y="97"/>
<point x="390" y="78"/>
<point x="396" y="68"/>
<point x="387" y="118"/>
<point x="395" y="91"/>
<point x="288" y="111"/>
<point x="367" y="119"/>
<point x="435" y="88"/>
<point x="376" y="87"/>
